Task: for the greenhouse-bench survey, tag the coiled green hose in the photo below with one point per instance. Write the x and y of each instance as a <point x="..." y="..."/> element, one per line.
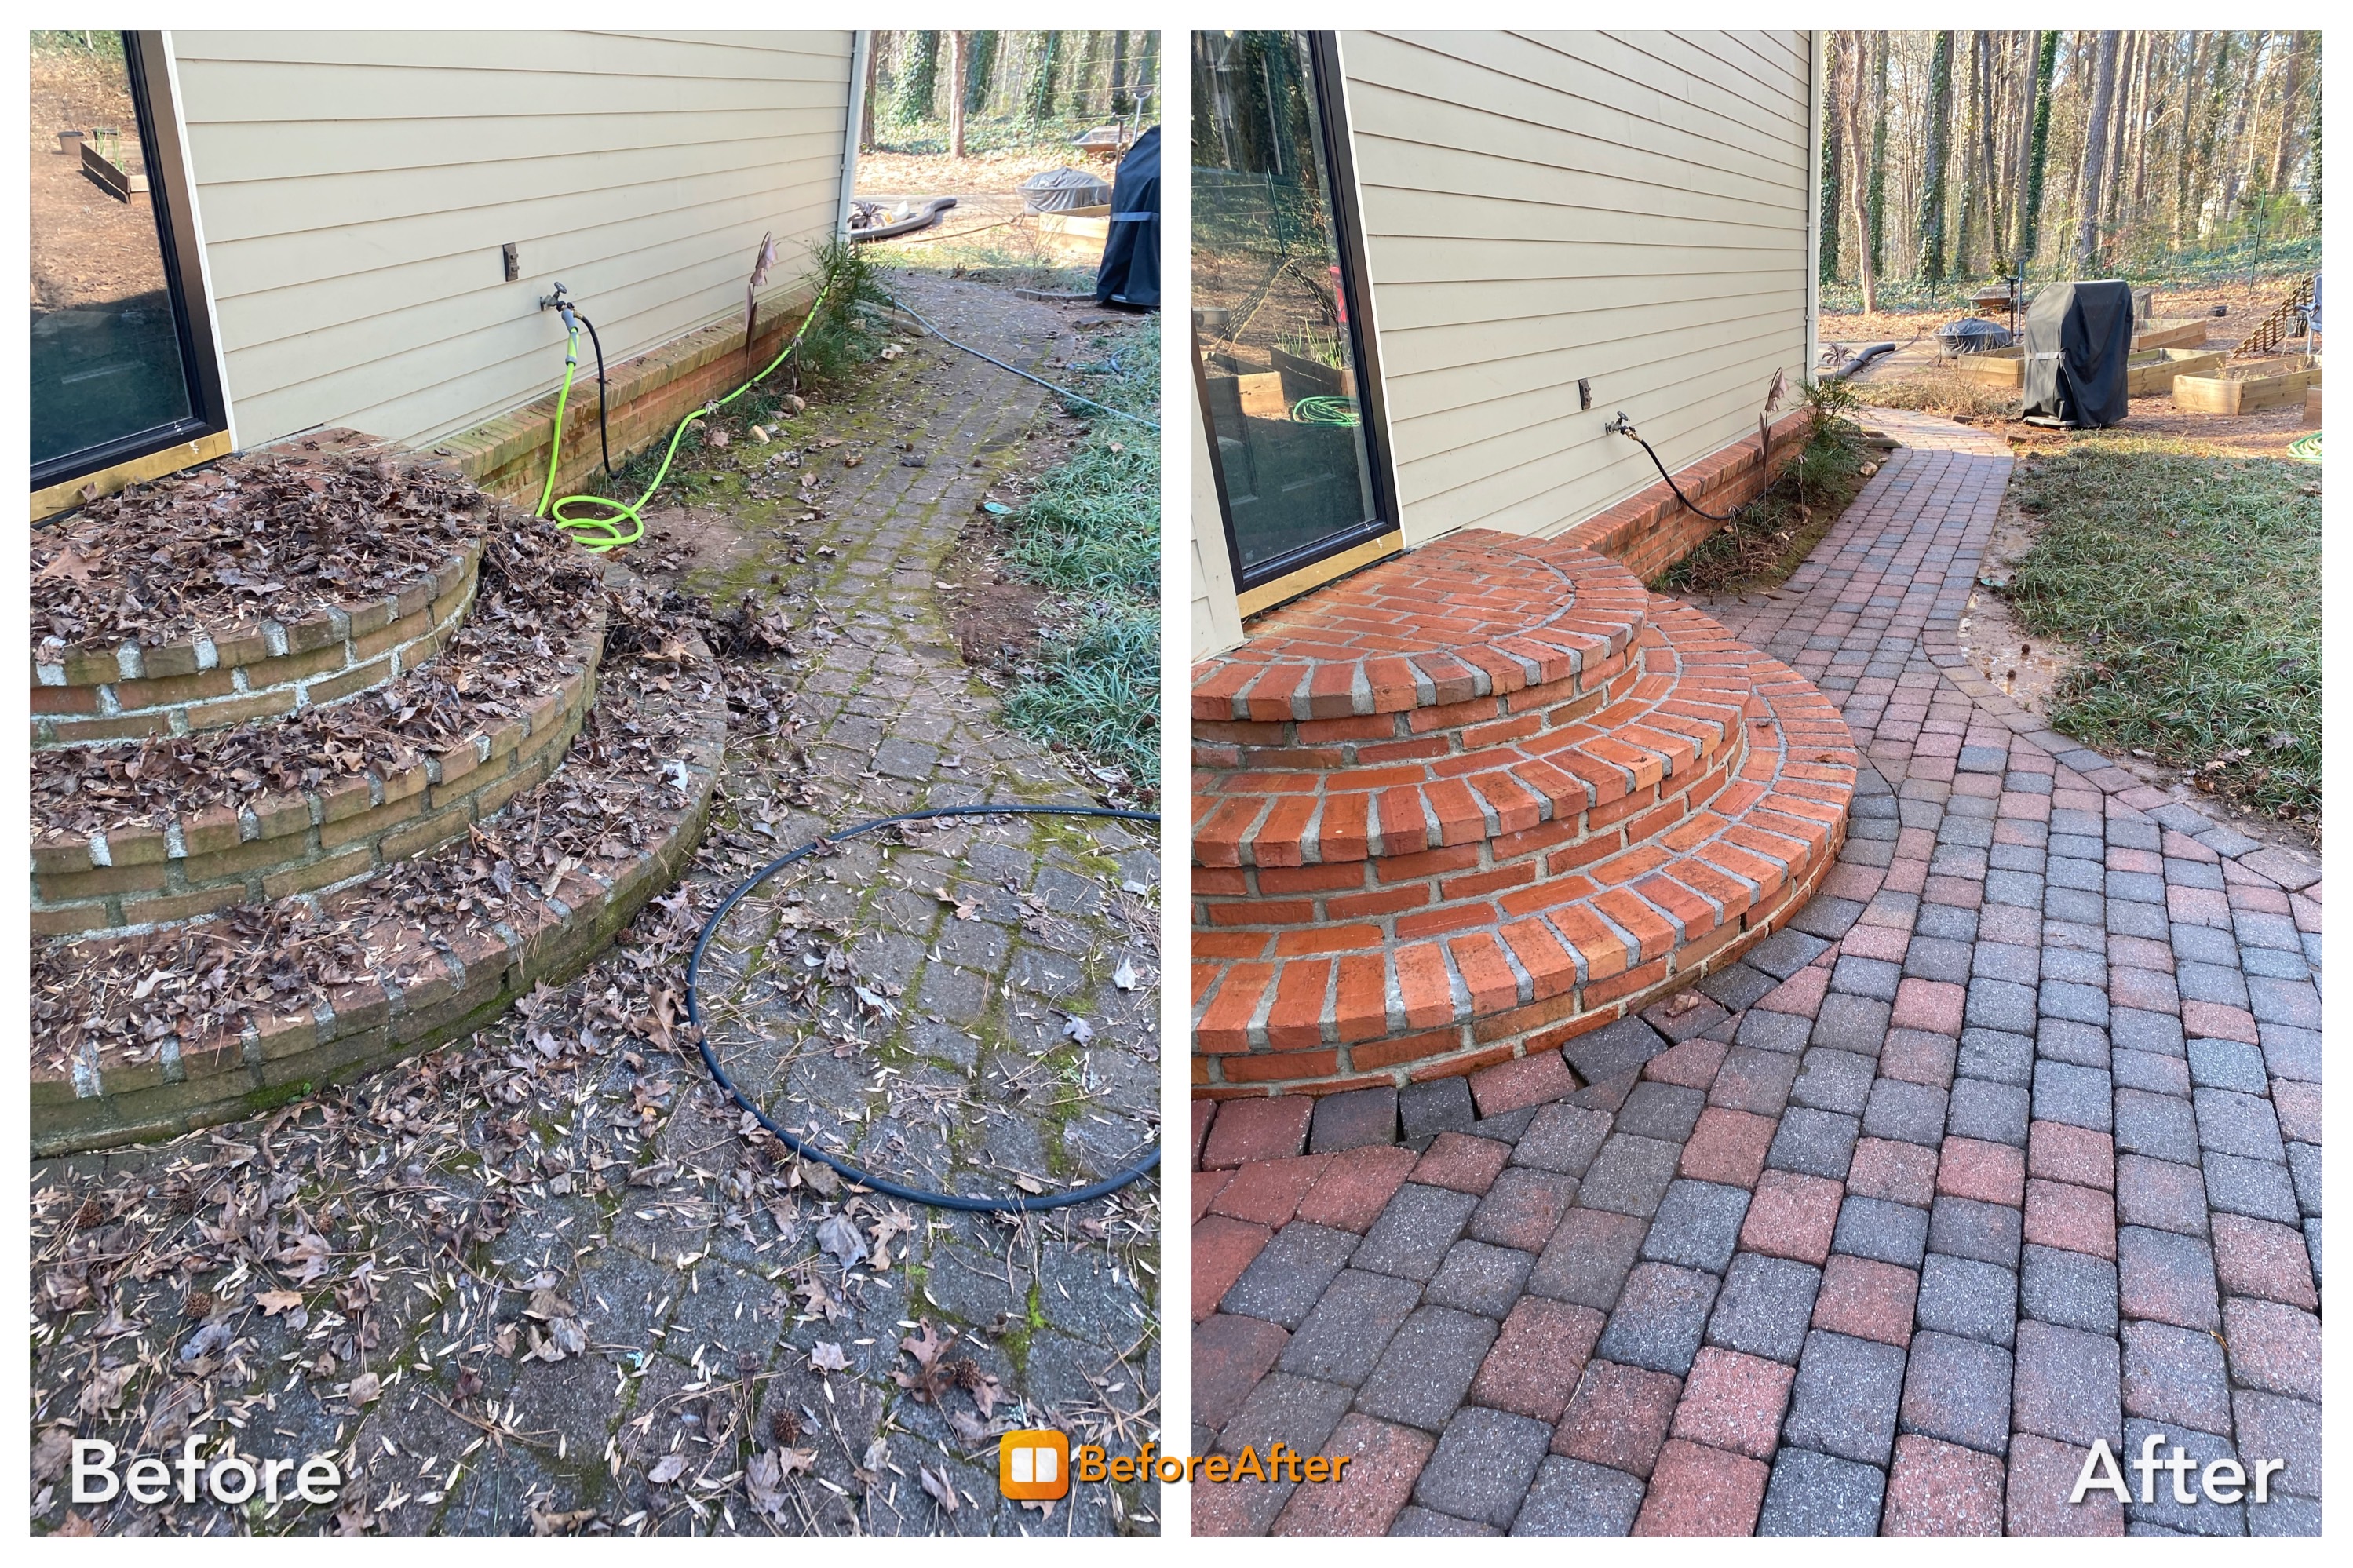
<point x="602" y="533"/>
<point x="1326" y="411"/>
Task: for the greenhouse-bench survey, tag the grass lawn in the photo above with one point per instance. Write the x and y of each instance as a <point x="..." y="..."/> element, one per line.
<point x="2190" y="586"/>
<point x="1090" y="534"/>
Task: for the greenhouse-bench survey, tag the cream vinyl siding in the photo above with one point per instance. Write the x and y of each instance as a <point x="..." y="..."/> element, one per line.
<point x="1217" y="619"/>
<point x="1631" y="209"/>
<point x="357" y="187"/>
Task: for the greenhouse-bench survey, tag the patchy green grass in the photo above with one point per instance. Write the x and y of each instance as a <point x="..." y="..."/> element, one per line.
<point x="1942" y="392"/>
<point x="2190" y="586"/>
<point x="1091" y="532"/>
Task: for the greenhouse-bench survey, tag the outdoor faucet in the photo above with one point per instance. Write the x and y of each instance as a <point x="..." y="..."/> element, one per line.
<point x="1621" y="426"/>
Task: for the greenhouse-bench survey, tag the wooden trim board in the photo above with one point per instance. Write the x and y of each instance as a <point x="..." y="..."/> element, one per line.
<point x="72" y="493"/>
<point x="1266" y="596"/>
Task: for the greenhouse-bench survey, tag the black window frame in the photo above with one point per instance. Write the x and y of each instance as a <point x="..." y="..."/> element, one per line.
<point x="1347" y="237"/>
<point x="169" y="198"/>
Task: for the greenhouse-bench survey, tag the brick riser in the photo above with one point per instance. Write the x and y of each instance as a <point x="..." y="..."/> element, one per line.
<point x="1673" y="711"/>
<point x="1693" y="900"/>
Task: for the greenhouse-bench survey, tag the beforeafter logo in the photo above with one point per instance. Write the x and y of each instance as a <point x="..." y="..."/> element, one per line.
<point x="1034" y="1464"/>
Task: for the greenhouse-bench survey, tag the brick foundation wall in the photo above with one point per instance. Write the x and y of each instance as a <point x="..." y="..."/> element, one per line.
<point x="508" y="455"/>
<point x="265" y="668"/>
<point x="308" y="840"/>
<point x="1649" y="530"/>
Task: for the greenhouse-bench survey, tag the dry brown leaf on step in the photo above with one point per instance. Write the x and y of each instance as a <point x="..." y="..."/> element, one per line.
<point x="828" y="1357"/>
<point x="943" y="1491"/>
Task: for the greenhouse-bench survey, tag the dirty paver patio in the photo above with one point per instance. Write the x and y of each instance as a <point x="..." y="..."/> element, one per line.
<point x="2008" y="1144"/>
<point x="544" y="1282"/>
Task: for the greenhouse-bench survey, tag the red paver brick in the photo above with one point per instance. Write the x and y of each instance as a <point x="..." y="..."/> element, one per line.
<point x="1538" y="1359"/>
<point x="2214" y="1021"/>
<point x="1942" y="1488"/>
<point x="1248" y="1129"/>
<point x="1230" y="1353"/>
<point x="1267" y="1192"/>
<point x="2042" y="1477"/>
<point x="1791" y="1216"/>
<point x="1801" y="994"/>
<point x="2059" y="1152"/>
<point x="1356" y="1186"/>
<point x="1990" y="1173"/>
<point x="1465" y="1163"/>
<point x="2299" y="1105"/>
<point x="1733" y="1400"/>
<point x="1222" y="1248"/>
<point x="2272" y="1347"/>
<point x="1384" y="1460"/>
<point x="1931" y="1005"/>
<point x="1618" y="1416"/>
<point x="1700" y="1490"/>
<point x="1694" y="1064"/>
<point x="1900" y="1172"/>
<point x="1514" y="1086"/>
<point x="2079" y="1219"/>
<point x="1207" y="1185"/>
<point x="1867" y="1298"/>
<point x="1916" y="1055"/>
<point x="1728" y="1146"/>
<point x="1204" y="1112"/>
<point x="2258" y="1257"/>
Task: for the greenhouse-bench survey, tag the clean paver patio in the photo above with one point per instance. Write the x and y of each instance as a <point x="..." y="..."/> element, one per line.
<point x="2008" y="1144"/>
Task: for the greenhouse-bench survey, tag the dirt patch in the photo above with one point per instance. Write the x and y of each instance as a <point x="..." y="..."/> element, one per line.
<point x="2026" y="669"/>
<point x="937" y="175"/>
<point x="88" y="249"/>
<point x="994" y="614"/>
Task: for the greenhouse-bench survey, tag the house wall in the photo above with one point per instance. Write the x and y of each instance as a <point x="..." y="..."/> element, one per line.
<point x="356" y="189"/>
<point x="1217" y="621"/>
<point x="1632" y="209"/>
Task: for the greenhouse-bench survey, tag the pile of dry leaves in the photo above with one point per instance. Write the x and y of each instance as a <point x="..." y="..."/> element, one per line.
<point x="533" y="602"/>
<point x="257" y="538"/>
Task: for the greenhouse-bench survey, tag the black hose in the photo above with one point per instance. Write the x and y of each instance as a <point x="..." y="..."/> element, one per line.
<point x="1628" y="431"/>
<point x="602" y="439"/>
<point x="842" y="1167"/>
<point x="1063" y="390"/>
<point x="1860" y="358"/>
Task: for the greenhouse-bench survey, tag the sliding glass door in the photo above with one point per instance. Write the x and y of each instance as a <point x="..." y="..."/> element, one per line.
<point x="1282" y="352"/>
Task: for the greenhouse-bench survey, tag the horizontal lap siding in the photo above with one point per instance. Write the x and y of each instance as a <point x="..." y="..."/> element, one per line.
<point x="1629" y="209"/>
<point x="356" y="189"/>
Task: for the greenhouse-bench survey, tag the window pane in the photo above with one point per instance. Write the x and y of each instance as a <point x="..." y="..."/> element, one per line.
<point x="1271" y="308"/>
<point x="105" y="349"/>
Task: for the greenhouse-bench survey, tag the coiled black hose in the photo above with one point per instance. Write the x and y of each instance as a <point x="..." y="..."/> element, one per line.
<point x="1024" y="1204"/>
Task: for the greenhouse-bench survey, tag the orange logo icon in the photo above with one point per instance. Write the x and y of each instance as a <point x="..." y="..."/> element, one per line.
<point x="1034" y="1465"/>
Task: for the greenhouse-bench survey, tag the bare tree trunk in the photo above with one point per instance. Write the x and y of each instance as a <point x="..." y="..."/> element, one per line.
<point x="2236" y="149"/>
<point x="2112" y="214"/>
<point x="1863" y="188"/>
<point x="865" y="104"/>
<point x="1877" y="236"/>
<point x="960" y="79"/>
<point x="2093" y="187"/>
<point x="2291" y="89"/>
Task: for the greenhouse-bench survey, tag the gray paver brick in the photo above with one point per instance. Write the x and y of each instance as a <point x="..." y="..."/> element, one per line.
<point x="2074" y="1289"/>
<point x="2174" y="1374"/>
<point x="1697" y="1225"/>
<point x="1852" y="1023"/>
<point x="1814" y="1142"/>
<point x="1289" y="1273"/>
<point x="2158" y="1125"/>
<point x="1993" y="1054"/>
<point x="1965" y="1227"/>
<point x="1813" y="1494"/>
<point x="1477" y="1277"/>
<point x="1832" y="1080"/>
<point x="1876" y="1228"/>
<point x="1443" y="1106"/>
<point x="2198" y="1518"/>
<point x="1483" y="1466"/>
<point x="1765" y="1306"/>
<point x="2066" y="1384"/>
<point x="1573" y="1498"/>
<point x="1350" y="1326"/>
<point x="1907" y="1113"/>
<point x="1845" y="1398"/>
<point x="1563" y="1137"/>
<point x="1957" y="1390"/>
<point x="1972" y="1299"/>
<point x="1411" y="1238"/>
<point x="1994" y="1112"/>
<point x="1423" y="1374"/>
<point x="2241" y="1124"/>
<point x="2227" y="1064"/>
<point x="2078" y="1096"/>
<point x="1658" y="1319"/>
<point x="1630" y="1174"/>
<point x="1588" y="1258"/>
<point x="1662" y="1110"/>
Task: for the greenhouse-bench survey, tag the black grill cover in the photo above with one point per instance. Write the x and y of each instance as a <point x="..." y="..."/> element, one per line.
<point x="1130" y="274"/>
<point x="1063" y="190"/>
<point x="2078" y="336"/>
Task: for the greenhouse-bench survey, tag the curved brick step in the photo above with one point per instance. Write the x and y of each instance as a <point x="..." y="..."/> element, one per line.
<point x="422" y="984"/>
<point x="139" y="874"/>
<point x="1478" y="614"/>
<point x="1483" y="962"/>
<point x="1668" y="721"/>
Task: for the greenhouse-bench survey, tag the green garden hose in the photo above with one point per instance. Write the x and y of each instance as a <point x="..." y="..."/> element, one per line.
<point x="2306" y="449"/>
<point x="1326" y="411"/>
<point x="602" y="533"/>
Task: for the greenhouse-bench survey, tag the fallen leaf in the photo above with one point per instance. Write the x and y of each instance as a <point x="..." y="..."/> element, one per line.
<point x="943" y="1491"/>
<point x="669" y="1469"/>
<point x="839" y="1236"/>
<point x="1125" y="975"/>
<point x="827" y="1358"/>
<point x="274" y="1302"/>
<point x="365" y="1389"/>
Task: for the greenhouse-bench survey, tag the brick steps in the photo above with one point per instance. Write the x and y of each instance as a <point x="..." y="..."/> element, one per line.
<point x="1589" y="834"/>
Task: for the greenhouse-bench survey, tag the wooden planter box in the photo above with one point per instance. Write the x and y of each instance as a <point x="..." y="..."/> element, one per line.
<point x="2312" y="408"/>
<point x="2249" y="388"/>
<point x="1307" y="378"/>
<point x="1996" y="367"/>
<point x="2174" y="333"/>
<point x="116" y="183"/>
<point x="2152" y="373"/>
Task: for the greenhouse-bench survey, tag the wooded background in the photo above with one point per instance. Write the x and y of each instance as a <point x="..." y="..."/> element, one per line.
<point x="1005" y="88"/>
<point x="1954" y="157"/>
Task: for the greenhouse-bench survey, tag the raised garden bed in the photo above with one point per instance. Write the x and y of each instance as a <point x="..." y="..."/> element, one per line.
<point x="2151" y="373"/>
<point x="2251" y="387"/>
<point x="2007" y="368"/>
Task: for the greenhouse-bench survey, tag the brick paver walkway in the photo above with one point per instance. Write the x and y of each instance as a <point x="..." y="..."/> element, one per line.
<point x="2008" y="1144"/>
<point x="739" y="1366"/>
